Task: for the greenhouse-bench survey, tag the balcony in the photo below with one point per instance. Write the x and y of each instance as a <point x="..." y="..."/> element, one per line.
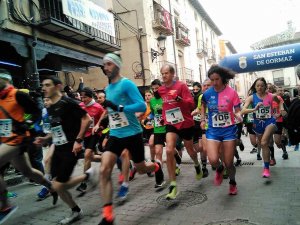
<point x="162" y="20"/>
<point x="54" y="21"/>
<point x="201" y="49"/>
<point x="186" y="75"/>
<point x="211" y="58"/>
<point x="182" y="35"/>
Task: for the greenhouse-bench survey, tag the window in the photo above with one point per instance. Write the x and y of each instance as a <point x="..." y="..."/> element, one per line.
<point x="278" y="77"/>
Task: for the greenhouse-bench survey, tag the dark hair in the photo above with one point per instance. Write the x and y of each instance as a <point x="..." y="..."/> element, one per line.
<point x="197" y="84"/>
<point x="225" y="73"/>
<point x="171" y="68"/>
<point x="272" y="88"/>
<point x="88" y="92"/>
<point x="156" y="82"/>
<point x="54" y="79"/>
<point x="252" y="88"/>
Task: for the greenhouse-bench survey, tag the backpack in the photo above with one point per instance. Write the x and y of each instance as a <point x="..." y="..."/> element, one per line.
<point x="292" y="121"/>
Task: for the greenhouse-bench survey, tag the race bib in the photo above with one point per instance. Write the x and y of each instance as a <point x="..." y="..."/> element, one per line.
<point x="197" y="117"/>
<point x="46" y="128"/>
<point x="221" y="120"/>
<point x="157" y="120"/>
<point x="59" y="136"/>
<point x="263" y="112"/>
<point x="250" y="117"/>
<point x="93" y="122"/>
<point x="174" y="116"/>
<point x="117" y="120"/>
<point x="5" y="127"/>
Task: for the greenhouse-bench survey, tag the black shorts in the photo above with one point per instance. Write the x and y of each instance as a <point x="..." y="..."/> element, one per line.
<point x="197" y="134"/>
<point x="63" y="163"/>
<point x="91" y="141"/>
<point x="184" y="133"/>
<point x="147" y="133"/>
<point x="279" y="128"/>
<point x="250" y="128"/>
<point x="134" y="144"/>
<point x="160" y="139"/>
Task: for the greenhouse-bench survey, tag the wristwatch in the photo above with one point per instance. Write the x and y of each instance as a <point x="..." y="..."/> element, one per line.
<point x="79" y="140"/>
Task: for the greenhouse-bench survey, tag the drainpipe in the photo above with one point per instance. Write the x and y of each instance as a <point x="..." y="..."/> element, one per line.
<point x="173" y="40"/>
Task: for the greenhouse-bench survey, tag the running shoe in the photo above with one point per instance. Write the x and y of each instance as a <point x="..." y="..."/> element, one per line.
<point x="232" y="189"/>
<point x="199" y="173"/>
<point x="266" y="173"/>
<point x="218" y="178"/>
<point x="160" y="185"/>
<point x="285" y="155"/>
<point x="205" y="172"/>
<point x="238" y="163"/>
<point x="82" y="187"/>
<point x="272" y="162"/>
<point x="254" y="150"/>
<point x="92" y="178"/>
<point x="105" y="222"/>
<point x="74" y="216"/>
<point x="44" y="193"/>
<point x="177" y="171"/>
<point x="132" y="173"/>
<point x="11" y="194"/>
<point x="172" y="193"/>
<point x="296" y="148"/>
<point x="6" y="213"/>
<point x="159" y="174"/>
<point x="241" y="146"/>
<point x="123" y="193"/>
<point x="150" y="174"/>
<point x="259" y="157"/>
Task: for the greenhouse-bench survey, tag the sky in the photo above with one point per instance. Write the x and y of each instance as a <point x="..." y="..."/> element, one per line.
<point x="244" y="22"/>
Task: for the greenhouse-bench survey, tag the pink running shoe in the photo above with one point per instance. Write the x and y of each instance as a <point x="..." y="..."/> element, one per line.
<point x="232" y="189"/>
<point x="218" y="178"/>
<point x="266" y="173"/>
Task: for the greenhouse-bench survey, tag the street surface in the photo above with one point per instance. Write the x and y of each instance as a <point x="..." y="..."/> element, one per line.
<point x="274" y="201"/>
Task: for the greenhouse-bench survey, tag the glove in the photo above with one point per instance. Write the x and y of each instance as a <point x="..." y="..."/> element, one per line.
<point x="111" y="105"/>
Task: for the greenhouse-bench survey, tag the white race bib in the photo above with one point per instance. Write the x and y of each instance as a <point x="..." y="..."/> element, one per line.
<point x="174" y="116"/>
<point x="92" y="123"/>
<point x="59" y="137"/>
<point x="197" y="117"/>
<point x="117" y="120"/>
<point x="263" y="112"/>
<point x="221" y="120"/>
<point x="157" y="120"/>
<point x="5" y="127"/>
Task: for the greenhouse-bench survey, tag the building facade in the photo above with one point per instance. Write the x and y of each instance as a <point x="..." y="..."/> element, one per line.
<point x="56" y="37"/>
<point x="155" y="32"/>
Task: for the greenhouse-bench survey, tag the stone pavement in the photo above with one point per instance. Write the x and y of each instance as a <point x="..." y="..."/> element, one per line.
<point x="274" y="201"/>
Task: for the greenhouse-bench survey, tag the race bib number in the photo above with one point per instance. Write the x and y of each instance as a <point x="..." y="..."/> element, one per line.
<point x="174" y="116"/>
<point x="59" y="137"/>
<point x="5" y="127"/>
<point x="46" y="128"/>
<point x="117" y="120"/>
<point x="221" y="120"/>
<point x="263" y="112"/>
<point x="93" y="122"/>
<point x="157" y="120"/>
<point x="250" y="117"/>
<point x="197" y="117"/>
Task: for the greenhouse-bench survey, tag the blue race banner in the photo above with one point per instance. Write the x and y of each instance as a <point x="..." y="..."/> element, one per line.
<point x="266" y="59"/>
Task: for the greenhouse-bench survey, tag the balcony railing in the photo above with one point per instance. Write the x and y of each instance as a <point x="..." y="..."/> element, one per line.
<point x="162" y="20"/>
<point x="211" y="56"/>
<point x="186" y="75"/>
<point x="182" y="35"/>
<point x="55" y="21"/>
<point x="201" y="48"/>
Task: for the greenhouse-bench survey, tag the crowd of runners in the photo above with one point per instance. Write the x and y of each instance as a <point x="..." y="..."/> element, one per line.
<point x="112" y="126"/>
